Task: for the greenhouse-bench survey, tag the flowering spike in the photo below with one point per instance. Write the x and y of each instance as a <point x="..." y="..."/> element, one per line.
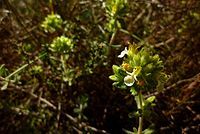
<point x="139" y="69"/>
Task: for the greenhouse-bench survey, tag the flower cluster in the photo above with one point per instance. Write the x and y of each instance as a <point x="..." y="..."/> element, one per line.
<point x="52" y="23"/>
<point x="139" y="70"/>
<point x="62" y="45"/>
<point x="114" y="9"/>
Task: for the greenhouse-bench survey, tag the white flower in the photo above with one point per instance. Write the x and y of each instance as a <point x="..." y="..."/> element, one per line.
<point x="123" y="53"/>
<point x="129" y="80"/>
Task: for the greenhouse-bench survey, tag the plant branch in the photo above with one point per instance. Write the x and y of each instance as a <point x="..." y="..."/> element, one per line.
<point x="173" y="85"/>
<point x="141" y="114"/>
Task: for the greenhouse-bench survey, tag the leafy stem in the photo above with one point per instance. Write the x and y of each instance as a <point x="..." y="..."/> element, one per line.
<point x="140" y="107"/>
<point x="139" y="69"/>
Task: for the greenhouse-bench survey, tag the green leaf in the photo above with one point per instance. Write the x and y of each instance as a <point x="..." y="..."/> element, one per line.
<point x="151" y="99"/>
<point x="121" y="73"/>
<point x="148" y="131"/>
<point x="115" y="83"/>
<point x="134" y="114"/>
<point x="115" y="69"/>
<point x="113" y="77"/>
<point x="133" y="91"/>
<point x="156" y="58"/>
<point x="122" y="86"/>
<point x="128" y="132"/>
<point x="119" y="85"/>
<point x="135" y="130"/>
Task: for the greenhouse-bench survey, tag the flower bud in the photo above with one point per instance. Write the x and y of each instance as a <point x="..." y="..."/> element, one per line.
<point x="127" y="67"/>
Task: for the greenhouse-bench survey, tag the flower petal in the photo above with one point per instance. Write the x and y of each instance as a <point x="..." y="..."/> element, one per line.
<point x="129" y="80"/>
<point x="123" y="53"/>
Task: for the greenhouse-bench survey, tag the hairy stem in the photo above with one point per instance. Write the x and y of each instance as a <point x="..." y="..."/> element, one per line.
<point x="141" y="116"/>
